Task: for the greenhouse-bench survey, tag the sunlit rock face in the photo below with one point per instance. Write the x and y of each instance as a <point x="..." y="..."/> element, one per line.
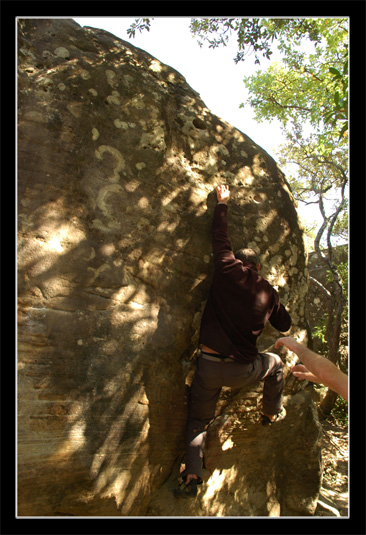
<point x="118" y="159"/>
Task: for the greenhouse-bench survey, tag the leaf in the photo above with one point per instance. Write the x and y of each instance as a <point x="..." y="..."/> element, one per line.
<point x="343" y="131"/>
<point x="335" y="71"/>
<point x="327" y="116"/>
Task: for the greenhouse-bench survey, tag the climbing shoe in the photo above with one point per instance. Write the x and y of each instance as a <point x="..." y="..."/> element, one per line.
<point x="280" y="416"/>
<point x="187" y="491"/>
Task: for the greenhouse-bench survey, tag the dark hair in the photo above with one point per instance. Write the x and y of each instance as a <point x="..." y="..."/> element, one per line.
<point x="247" y="256"/>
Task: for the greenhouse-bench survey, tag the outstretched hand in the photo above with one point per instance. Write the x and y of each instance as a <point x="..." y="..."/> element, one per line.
<point x="288" y="342"/>
<point x="223" y="194"/>
<point x="315" y="368"/>
<point x="302" y="373"/>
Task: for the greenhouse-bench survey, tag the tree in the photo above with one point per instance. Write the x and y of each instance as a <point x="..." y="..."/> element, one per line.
<point x="322" y="178"/>
<point x="308" y="92"/>
<point x="329" y="64"/>
<point x="253" y="35"/>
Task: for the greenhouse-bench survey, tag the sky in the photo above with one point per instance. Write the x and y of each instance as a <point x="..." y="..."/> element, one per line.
<point x="211" y="72"/>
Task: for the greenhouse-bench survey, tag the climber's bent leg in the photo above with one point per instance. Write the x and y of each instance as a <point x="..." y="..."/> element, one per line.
<point x="204" y="393"/>
<point x="272" y="373"/>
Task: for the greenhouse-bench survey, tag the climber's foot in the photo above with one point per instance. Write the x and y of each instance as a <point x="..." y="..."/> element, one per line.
<point x="188" y="486"/>
<point x="273" y="418"/>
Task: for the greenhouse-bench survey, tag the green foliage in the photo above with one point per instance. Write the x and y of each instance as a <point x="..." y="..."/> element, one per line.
<point x="339" y="111"/>
<point x="319" y="331"/>
<point x="253" y="35"/>
<point x="313" y="87"/>
<point x="309" y="85"/>
<point x="340" y="411"/>
<point x="140" y="25"/>
<point x="343" y="271"/>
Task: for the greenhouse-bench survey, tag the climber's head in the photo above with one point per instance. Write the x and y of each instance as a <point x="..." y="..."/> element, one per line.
<point x="249" y="258"/>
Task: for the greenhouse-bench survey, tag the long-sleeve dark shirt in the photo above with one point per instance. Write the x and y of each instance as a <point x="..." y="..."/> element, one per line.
<point x="240" y="301"/>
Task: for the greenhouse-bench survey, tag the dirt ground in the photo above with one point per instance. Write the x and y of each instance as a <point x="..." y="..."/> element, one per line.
<point x="333" y="498"/>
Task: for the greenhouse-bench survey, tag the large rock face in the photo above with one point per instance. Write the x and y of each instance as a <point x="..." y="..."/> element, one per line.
<point x="118" y="161"/>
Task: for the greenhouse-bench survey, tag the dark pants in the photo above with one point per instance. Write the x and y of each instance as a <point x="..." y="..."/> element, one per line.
<point x="209" y="378"/>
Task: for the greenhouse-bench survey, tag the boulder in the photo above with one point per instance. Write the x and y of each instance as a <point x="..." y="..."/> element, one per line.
<point x="118" y="159"/>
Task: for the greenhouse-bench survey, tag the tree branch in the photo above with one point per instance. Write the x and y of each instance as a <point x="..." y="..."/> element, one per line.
<point x="323" y="288"/>
<point x="287" y="107"/>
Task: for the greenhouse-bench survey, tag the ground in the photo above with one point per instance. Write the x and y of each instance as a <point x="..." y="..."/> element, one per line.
<point x="333" y="499"/>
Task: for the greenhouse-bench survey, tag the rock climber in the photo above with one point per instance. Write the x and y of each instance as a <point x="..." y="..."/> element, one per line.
<point x="239" y="304"/>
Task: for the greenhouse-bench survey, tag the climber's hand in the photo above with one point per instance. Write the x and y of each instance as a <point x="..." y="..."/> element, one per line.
<point x="223" y="194"/>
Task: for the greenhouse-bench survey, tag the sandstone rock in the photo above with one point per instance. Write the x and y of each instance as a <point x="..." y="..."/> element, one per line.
<point x="253" y="470"/>
<point x="117" y="163"/>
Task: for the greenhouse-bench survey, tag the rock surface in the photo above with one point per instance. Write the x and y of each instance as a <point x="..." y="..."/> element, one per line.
<point x="253" y="470"/>
<point x="118" y="159"/>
